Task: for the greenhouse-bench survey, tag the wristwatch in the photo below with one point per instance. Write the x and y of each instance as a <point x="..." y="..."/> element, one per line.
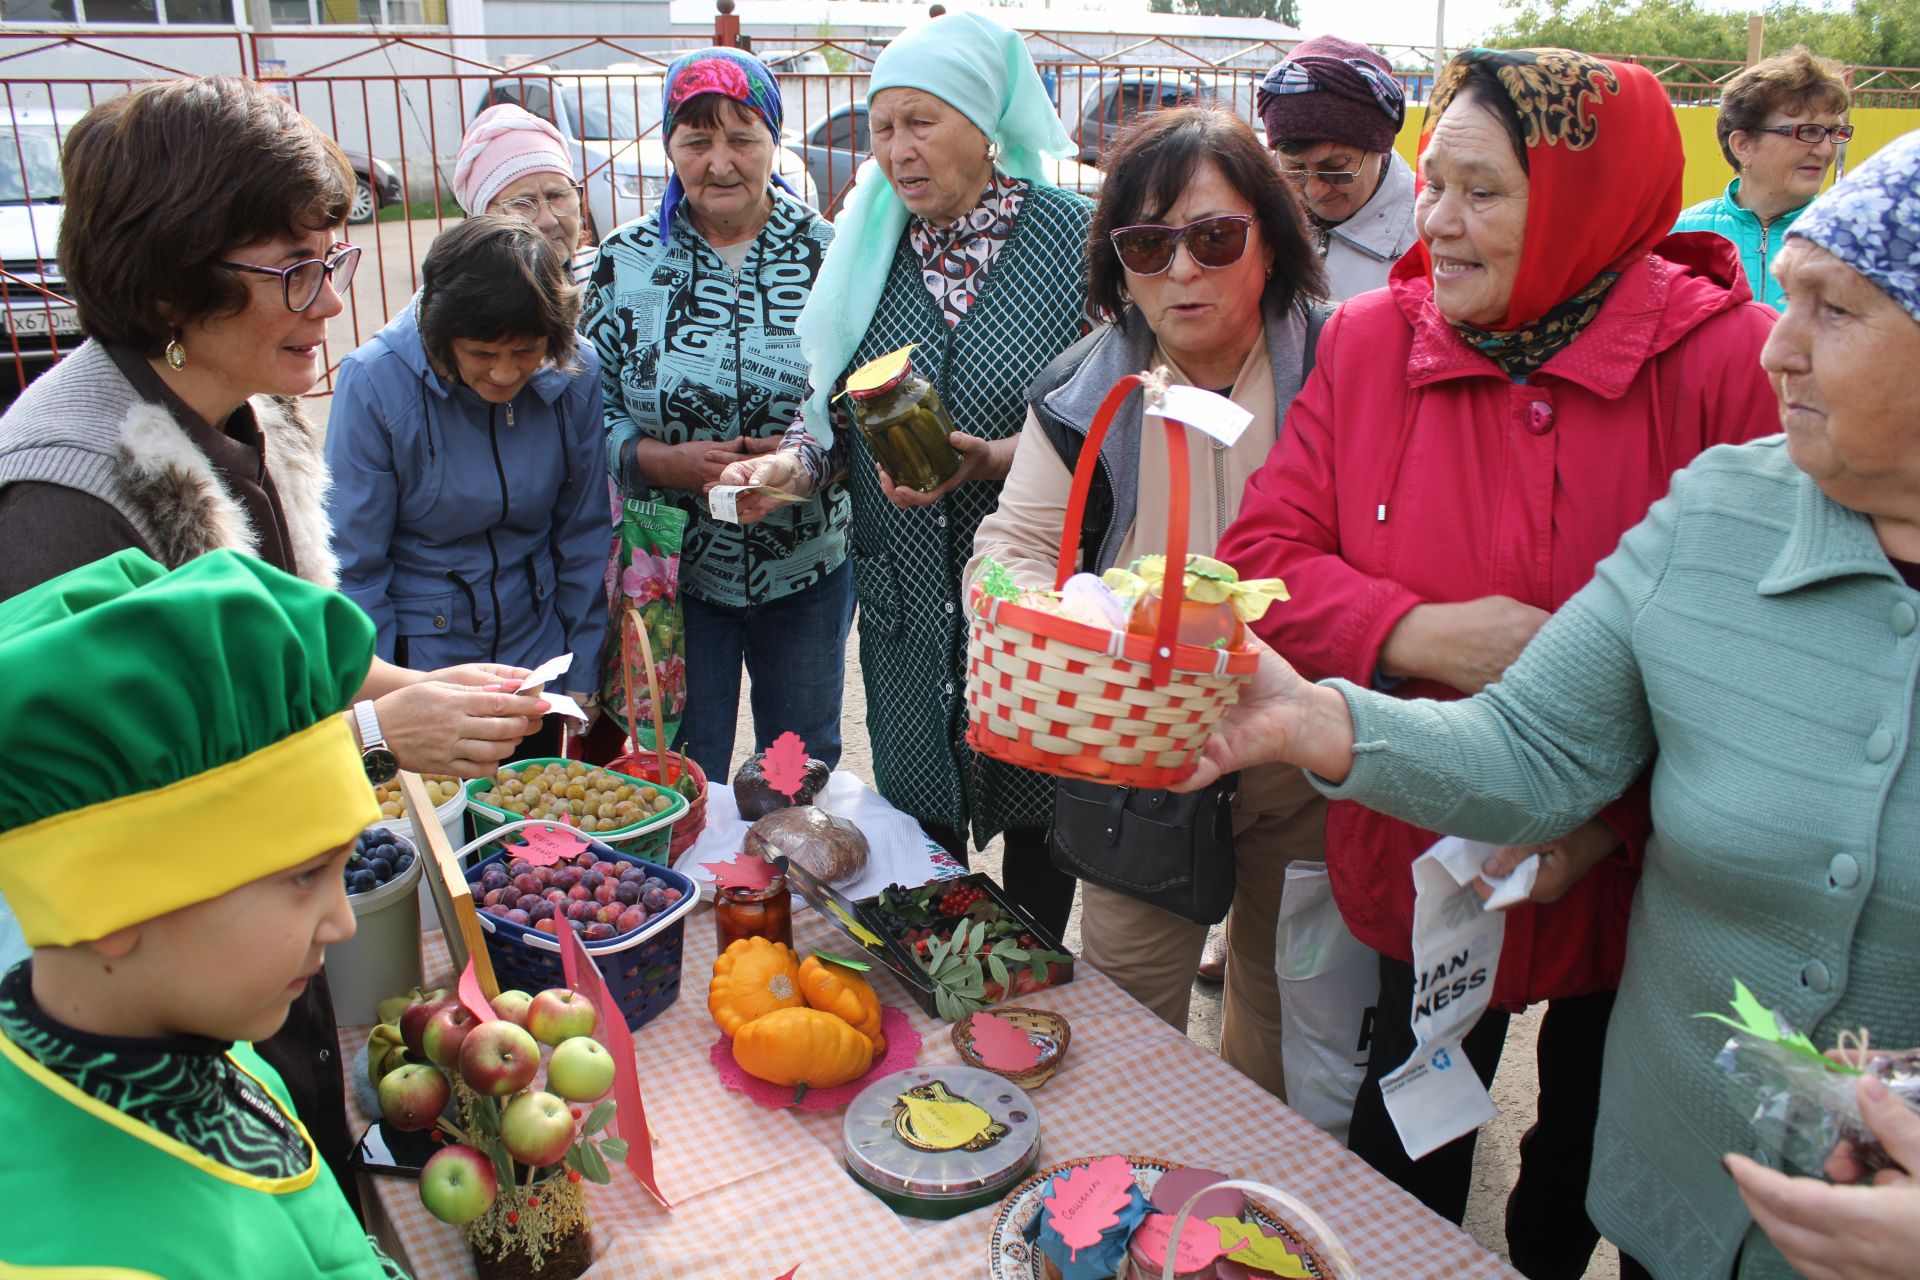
<point x="377" y="757"/>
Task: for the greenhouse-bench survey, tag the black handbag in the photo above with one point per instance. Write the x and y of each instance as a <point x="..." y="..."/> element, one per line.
<point x="1172" y="851"/>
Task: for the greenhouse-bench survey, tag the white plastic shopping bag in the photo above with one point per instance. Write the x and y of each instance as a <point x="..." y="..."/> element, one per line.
<point x="1329" y="982"/>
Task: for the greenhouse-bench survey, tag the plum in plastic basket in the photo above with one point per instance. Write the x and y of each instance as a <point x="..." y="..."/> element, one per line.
<point x="641" y="966"/>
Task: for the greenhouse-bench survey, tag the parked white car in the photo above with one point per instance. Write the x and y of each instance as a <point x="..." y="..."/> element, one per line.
<point x="30" y="191"/>
<point x="611" y="120"/>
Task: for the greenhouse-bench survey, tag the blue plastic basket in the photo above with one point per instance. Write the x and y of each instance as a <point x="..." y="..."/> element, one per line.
<point x="641" y="967"/>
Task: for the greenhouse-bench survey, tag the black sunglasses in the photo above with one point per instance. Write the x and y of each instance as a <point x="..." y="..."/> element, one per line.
<point x="1215" y="242"/>
<point x="300" y="283"/>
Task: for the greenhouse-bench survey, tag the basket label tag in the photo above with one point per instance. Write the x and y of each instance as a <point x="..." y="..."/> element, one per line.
<point x="548" y="846"/>
<point x="1205" y="411"/>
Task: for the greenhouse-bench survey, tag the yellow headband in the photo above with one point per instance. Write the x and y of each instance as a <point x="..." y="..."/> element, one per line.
<point x="82" y="875"/>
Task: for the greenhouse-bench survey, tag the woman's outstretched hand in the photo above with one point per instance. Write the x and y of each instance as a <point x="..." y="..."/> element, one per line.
<point x="1279" y="719"/>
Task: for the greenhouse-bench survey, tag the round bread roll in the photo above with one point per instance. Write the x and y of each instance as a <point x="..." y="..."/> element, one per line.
<point x="832" y="849"/>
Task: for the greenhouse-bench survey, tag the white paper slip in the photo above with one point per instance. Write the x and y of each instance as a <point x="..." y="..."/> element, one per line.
<point x="1515" y="887"/>
<point x="1435" y="1097"/>
<point x="561" y="705"/>
<point x="546" y="671"/>
<point x="1202" y="410"/>
<point x="724" y="499"/>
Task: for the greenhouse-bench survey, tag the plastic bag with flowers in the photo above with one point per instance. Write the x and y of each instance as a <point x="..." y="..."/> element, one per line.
<point x="643" y="575"/>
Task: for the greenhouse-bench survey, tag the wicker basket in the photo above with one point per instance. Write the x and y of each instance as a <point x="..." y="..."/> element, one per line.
<point x="1050" y="1026"/>
<point x="1060" y="697"/>
<point x="661" y="765"/>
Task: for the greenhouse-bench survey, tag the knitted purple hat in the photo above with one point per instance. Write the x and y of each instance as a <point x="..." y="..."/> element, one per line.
<point x="1332" y="90"/>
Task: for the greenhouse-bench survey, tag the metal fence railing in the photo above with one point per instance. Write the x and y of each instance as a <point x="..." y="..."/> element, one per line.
<point x="398" y="102"/>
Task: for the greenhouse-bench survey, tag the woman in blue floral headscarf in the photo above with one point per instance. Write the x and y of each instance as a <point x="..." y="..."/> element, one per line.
<point x="692" y="310"/>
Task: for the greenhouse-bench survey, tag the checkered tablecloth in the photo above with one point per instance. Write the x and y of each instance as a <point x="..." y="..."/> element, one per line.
<point x="756" y="1191"/>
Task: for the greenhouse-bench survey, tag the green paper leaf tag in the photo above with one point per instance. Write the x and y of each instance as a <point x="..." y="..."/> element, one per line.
<point x="1761" y="1023"/>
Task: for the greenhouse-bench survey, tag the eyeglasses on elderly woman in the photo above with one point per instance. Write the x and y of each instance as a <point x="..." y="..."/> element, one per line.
<point x="1808" y="133"/>
<point x="1216" y="242"/>
<point x="300" y="283"/>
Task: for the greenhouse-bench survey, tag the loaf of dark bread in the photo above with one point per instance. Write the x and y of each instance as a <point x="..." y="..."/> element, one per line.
<point x="756" y="799"/>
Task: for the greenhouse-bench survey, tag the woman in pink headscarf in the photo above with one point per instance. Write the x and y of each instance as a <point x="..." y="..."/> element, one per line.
<point x="512" y="162"/>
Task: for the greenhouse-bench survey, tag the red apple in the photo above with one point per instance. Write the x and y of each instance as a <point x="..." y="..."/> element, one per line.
<point x="581" y="1070"/>
<point x="413" y="1022"/>
<point x="512" y="1005"/>
<point x="445" y="1032"/>
<point x="558" y="1014"/>
<point x="413" y="1096"/>
<point x="457" y="1184"/>
<point x="499" y="1058"/>
<point x="537" y="1128"/>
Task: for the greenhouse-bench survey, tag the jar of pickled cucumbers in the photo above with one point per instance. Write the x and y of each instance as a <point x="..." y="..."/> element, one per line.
<point x="901" y="417"/>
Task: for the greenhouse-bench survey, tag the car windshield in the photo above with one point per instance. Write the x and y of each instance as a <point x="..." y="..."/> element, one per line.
<point x="29" y="166"/>
<point x="614" y="109"/>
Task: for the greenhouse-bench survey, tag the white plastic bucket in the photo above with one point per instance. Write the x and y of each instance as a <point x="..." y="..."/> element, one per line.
<point x="452" y="813"/>
<point x="383" y="957"/>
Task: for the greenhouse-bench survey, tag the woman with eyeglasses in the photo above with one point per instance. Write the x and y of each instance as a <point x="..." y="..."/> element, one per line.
<point x="1780" y="129"/>
<point x="954" y="238"/>
<point x="469" y="495"/>
<point x="1202" y="254"/>
<point x="513" y="163"/>
<point x="1474" y="439"/>
<point x="1332" y="110"/>
<point x="205" y="284"/>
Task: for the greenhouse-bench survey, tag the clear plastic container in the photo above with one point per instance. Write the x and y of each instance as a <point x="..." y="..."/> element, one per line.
<point x="920" y="1182"/>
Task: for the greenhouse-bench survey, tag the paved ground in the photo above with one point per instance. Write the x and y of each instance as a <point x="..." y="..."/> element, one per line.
<point x="1513" y="1089"/>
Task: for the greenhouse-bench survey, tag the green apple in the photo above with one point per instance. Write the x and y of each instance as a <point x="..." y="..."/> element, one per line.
<point x="558" y="1014"/>
<point x="536" y="1129"/>
<point x="512" y="1005"/>
<point x="413" y="1096"/>
<point x="499" y="1058"/>
<point x="457" y="1184"/>
<point x="580" y="1070"/>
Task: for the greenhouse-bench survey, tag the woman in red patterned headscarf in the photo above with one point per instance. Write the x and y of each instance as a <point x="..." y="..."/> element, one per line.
<point x="1473" y="441"/>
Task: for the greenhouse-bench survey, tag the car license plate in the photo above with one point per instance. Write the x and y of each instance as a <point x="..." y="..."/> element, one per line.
<point x="37" y="320"/>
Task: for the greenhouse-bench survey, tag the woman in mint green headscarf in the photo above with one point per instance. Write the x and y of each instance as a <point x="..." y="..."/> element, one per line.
<point x="986" y="273"/>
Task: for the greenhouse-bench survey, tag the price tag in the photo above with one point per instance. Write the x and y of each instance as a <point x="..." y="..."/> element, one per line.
<point x="551" y="669"/>
<point x="1205" y="411"/>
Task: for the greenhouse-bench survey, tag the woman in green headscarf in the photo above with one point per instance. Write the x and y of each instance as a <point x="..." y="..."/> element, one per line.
<point x="958" y="192"/>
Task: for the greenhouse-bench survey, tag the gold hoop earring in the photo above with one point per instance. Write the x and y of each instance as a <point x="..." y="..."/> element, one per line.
<point x="176" y="355"/>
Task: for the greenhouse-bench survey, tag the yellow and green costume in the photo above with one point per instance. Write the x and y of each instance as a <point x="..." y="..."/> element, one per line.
<point x="174" y="736"/>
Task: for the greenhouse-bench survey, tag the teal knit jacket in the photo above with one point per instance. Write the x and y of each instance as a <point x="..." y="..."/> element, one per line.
<point x="1751" y="632"/>
<point x="1757" y="242"/>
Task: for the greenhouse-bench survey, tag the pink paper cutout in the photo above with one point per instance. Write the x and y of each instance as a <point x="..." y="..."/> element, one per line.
<point x="630" y="1118"/>
<point x="472" y="999"/>
<point x="742" y="871"/>
<point x="1087" y="1202"/>
<point x="548" y="846"/>
<point x="1177" y="1186"/>
<point x="1199" y="1242"/>
<point x="785" y="764"/>
<point x="1002" y="1046"/>
<point x="903" y="1050"/>
<point x="788" y="1274"/>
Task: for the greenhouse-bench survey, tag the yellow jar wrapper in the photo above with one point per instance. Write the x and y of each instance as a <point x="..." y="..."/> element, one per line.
<point x="1208" y="581"/>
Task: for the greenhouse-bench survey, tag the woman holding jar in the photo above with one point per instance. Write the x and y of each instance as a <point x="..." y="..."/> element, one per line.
<point x="1558" y="356"/>
<point x="692" y="310"/>
<point x="1204" y="255"/>
<point x="986" y="277"/>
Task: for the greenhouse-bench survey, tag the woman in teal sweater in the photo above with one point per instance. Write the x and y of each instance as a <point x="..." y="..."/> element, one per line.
<point x="1757" y="640"/>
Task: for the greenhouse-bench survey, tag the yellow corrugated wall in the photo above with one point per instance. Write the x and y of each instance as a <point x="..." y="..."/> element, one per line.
<point x="1707" y="171"/>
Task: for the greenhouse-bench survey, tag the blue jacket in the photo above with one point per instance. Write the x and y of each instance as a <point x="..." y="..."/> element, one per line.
<point x="1757" y="242"/>
<point x="470" y="532"/>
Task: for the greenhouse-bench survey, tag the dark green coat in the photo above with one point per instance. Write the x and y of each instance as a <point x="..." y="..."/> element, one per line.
<point x="907" y="564"/>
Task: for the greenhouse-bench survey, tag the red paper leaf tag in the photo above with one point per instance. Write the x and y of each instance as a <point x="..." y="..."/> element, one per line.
<point x="1088" y="1201"/>
<point x="742" y="871"/>
<point x="1199" y="1246"/>
<point x="785" y="764"/>
<point x="549" y="846"/>
<point x="1001" y="1045"/>
<point x="472" y="999"/>
<point x="788" y="1274"/>
<point x="630" y="1112"/>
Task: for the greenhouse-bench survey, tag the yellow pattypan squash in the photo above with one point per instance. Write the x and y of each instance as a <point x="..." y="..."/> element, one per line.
<point x="802" y="1047"/>
<point x="750" y="978"/>
<point x="846" y="995"/>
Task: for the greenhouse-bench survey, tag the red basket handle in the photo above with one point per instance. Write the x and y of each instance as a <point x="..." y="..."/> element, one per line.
<point x="1173" y="589"/>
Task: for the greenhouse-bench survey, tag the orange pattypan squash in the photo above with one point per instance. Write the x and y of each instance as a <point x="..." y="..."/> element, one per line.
<point x="750" y="978"/>
<point x="802" y="1047"/>
<point x="837" y="990"/>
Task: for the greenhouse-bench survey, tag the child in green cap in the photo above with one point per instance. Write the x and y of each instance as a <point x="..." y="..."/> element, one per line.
<point x="173" y="847"/>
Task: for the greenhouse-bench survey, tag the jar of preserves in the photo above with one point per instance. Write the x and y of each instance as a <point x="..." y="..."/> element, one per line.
<point x="903" y="422"/>
<point x="753" y="913"/>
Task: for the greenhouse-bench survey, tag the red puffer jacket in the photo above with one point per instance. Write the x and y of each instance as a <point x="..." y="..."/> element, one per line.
<point x="1411" y="470"/>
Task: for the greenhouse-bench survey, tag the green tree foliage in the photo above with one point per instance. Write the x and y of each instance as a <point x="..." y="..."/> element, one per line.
<point x="1882" y="33"/>
<point x="1287" y="11"/>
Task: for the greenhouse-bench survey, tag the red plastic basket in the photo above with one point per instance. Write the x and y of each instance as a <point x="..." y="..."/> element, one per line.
<point x="1060" y="697"/>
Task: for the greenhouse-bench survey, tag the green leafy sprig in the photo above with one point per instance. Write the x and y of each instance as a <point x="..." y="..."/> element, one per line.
<point x="1756" y="1020"/>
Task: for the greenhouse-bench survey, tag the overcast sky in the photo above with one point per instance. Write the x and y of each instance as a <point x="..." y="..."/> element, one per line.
<point x="1399" y="21"/>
